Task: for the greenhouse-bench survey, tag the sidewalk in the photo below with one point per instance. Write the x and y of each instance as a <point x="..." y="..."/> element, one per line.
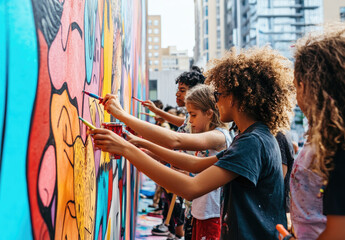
<point x="145" y="222"/>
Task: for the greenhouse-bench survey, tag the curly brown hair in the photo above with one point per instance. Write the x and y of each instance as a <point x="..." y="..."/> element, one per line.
<point x="261" y="81"/>
<point x="320" y="66"/>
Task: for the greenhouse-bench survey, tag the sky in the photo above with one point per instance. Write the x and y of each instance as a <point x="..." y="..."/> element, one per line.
<point x="177" y="22"/>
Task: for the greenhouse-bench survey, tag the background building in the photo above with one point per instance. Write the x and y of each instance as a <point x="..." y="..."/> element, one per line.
<point x="334" y="10"/>
<point x="162" y="86"/>
<point x="173" y="59"/>
<point x="154" y="38"/>
<point x="209" y="30"/>
<point x="276" y="22"/>
<point x="165" y="64"/>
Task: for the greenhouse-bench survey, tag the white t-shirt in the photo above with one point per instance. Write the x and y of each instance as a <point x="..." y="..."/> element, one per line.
<point x="208" y="205"/>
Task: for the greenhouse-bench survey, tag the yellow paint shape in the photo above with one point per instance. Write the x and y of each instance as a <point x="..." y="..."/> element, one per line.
<point x="85" y="188"/>
<point x="108" y="53"/>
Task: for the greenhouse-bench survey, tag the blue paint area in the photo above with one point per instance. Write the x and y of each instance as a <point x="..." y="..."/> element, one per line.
<point x="22" y="70"/>
<point x="89" y="35"/>
<point x="102" y="202"/>
<point x="22" y="73"/>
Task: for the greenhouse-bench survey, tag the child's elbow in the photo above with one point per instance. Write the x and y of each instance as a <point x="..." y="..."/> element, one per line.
<point x="174" y="144"/>
<point x="189" y="197"/>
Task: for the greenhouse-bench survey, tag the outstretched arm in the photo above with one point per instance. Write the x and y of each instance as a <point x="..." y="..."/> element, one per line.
<point x="181" y="184"/>
<point x="173" y="119"/>
<point x="184" y="161"/>
<point x="161" y="136"/>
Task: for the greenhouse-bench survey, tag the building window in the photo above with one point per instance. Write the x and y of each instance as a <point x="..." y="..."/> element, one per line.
<point x="156" y="62"/>
<point x="156" y="54"/>
<point x="150" y="62"/>
<point x="150" y="46"/>
<point x="153" y="89"/>
<point x="219" y="45"/>
<point x="342" y="14"/>
<point x="150" y="54"/>
<point x="206" y="44"/>
<point x="206" y="11"/>
<point x="218" y="33"/>
<point x="156" y="47"/>
<point x="150" y="39"/>
<point x="155" y="22"/>
<point x="150" y="30"/>
<point x="156" y="39"/>
<point x="156" y="30"/>
<point x="150" y="22"/>
<point x="218" y="21"/>
<point x="206" y="26"/>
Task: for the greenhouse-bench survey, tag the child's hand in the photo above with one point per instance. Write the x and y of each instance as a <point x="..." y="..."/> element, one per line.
<point x="108" y="141"/>
<point x="112" y="105"/>
<point x="150" y="105"/>
<point x="136" y="141"/>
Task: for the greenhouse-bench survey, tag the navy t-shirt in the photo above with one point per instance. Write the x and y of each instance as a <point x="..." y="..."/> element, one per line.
<point x="253" y="203"/>
<point x="334" y="197"/>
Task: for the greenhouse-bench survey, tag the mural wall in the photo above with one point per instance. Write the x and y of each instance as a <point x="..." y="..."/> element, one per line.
<point x="53" y="183"/>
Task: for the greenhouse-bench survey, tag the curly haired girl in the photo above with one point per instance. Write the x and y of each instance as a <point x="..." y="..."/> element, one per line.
<point x="254" y="89"/>
<point x="320" y="85"/>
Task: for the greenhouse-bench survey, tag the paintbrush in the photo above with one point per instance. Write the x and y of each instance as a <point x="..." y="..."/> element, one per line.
<point x="87" y="123"/>
<point x="137" y="99"/>
<point x="93" y="95"/>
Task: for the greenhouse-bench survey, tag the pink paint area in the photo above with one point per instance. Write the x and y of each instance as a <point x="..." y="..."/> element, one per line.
<point x="47" y="176"/>
<point x="66" y="59"/>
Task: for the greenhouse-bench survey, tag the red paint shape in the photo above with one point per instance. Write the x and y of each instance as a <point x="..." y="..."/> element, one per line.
<point x="47" y="176"/>
<point x="39" y="135"/>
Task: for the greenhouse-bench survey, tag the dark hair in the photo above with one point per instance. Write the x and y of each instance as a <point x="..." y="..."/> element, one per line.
<point x="47" y="15"/>
<point x="168" y="107"/>
<point x="158" y="104"/>
<point x="191" y="78"/>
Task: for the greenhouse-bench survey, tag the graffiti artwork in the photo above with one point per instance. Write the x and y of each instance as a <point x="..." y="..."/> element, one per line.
<point x="53" y="183"/>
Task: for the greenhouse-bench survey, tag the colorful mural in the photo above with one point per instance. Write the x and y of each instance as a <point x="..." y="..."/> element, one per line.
<point x="53" y="183"/>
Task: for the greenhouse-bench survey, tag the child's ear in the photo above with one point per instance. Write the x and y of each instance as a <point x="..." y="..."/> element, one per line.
<point x="209" y="113"/>
<point x="302" y="86"/>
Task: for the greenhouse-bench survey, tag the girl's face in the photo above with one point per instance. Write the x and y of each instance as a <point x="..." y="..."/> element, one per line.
<point x="199" y="120"/>
<point x="180" y="94"/>
<point x="299" y="94"/>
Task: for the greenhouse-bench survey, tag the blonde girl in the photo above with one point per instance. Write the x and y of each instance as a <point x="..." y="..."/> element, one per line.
<point x="203" y="117"/>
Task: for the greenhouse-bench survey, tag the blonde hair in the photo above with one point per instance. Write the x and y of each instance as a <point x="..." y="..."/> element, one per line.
<point x="261" y="80"/>
<point x="320" y="66"/>
<point x="202" y="98"/>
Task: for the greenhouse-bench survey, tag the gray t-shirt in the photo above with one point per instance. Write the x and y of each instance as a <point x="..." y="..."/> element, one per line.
<point x="253" y="203"/>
